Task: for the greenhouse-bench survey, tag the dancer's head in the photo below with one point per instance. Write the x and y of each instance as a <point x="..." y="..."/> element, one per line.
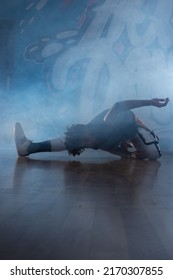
<point x="77" y="138"/>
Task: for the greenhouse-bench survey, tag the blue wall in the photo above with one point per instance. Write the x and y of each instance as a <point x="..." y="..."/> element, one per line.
<point x="64" y="61"/>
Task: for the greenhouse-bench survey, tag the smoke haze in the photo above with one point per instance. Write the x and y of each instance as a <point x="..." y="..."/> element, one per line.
<point x="62" y="62"/>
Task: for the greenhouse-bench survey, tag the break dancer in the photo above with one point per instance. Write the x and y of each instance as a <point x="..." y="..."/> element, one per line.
<point x="117" y="130"/>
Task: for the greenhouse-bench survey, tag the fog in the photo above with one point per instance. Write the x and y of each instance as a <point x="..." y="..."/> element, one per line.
<point x="65" y="61"/>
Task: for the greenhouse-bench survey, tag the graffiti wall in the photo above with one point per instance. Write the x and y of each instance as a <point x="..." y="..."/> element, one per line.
<point x="74" y="59"/>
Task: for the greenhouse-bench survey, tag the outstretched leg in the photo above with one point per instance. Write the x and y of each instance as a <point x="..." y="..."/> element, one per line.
<point x="25" y="147"/>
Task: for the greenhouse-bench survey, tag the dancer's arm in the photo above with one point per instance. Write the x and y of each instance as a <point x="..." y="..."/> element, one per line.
<point x="132" y="104"/>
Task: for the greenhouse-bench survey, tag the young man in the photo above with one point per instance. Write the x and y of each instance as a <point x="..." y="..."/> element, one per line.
<point x="116" y="130"/>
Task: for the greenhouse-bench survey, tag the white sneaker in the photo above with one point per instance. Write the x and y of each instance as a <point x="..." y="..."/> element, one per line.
<point x="21" y="141"/>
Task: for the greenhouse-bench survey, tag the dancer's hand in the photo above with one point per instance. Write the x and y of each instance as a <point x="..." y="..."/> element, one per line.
<point x="159" y="102"/>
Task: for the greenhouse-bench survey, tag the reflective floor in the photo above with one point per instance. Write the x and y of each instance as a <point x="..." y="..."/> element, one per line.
<point x="95" y="206"/>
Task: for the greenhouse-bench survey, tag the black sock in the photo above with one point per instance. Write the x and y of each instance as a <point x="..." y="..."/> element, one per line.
<point x="39" y="147"/>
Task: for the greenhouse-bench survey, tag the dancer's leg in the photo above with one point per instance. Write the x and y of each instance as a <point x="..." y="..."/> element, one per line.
<point x="25" y="147"/>
<point x="144" y="151"/>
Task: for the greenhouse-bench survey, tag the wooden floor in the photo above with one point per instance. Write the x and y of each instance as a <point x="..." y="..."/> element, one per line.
<point x="95" y="206"/>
